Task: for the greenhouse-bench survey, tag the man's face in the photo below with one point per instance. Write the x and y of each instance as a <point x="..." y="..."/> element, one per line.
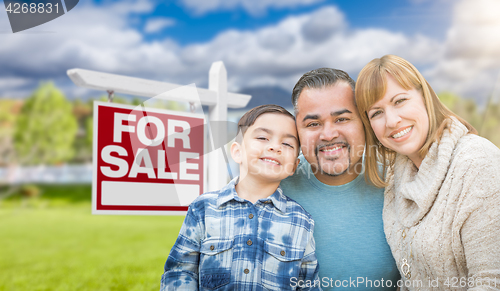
<point x="331" y="132"/>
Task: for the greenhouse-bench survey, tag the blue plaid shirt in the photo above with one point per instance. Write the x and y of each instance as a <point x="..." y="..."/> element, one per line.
<point x="228" y="243"/>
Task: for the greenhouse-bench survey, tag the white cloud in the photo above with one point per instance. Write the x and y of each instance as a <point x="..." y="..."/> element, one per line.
<point x="471" y="62"/>
<point x="467" y="62"/>
<point x="281" y="53"/>
<point x="323" y="23"/>
<point x="254" y="7"/>
<point x="475" y="30"/>
<point x="130" y="6"/>
<point x="88" y="37"/>
<point x="92" y="38"/>
<point x="155" y="25"/>
<point x="14" y="82"/>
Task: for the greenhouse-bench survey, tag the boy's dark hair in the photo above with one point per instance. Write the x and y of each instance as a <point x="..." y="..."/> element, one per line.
<point x="248" y="119"/>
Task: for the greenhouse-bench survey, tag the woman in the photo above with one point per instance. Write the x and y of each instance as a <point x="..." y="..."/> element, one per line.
<point x="442" y="197"/>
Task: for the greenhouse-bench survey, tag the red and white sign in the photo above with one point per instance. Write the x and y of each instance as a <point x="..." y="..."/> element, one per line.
<point x="146" y="161"/>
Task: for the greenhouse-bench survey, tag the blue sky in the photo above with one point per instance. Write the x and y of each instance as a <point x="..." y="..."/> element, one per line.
<point x="454" y="43"/>
<point x="191" y="26"/>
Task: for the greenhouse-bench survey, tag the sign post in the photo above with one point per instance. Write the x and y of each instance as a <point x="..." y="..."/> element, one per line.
<point x="218" y="112"/>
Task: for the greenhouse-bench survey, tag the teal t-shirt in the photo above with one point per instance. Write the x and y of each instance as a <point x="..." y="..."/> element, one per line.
<point x="352" y="251"/>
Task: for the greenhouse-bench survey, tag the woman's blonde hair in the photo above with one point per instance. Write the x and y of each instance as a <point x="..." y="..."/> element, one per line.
<point x="371" y="87"/>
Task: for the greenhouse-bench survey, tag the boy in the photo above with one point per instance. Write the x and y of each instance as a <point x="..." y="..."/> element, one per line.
<point x="248" y="235"/>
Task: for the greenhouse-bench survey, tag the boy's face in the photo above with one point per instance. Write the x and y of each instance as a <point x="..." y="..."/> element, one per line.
<point x="269" y="148"/>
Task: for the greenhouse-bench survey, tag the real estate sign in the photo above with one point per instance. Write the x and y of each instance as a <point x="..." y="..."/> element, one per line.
<point x="146" y="161"/>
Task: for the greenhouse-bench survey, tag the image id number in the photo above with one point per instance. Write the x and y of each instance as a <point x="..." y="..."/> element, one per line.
<point x="32" y="8"/>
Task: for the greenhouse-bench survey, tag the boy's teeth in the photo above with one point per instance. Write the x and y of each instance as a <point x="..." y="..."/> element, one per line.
<point x="272" y="161"/>
<point x="402" y="133"/>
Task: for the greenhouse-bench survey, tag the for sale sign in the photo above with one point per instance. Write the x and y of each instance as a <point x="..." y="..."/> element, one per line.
<point x="146" y="161"/>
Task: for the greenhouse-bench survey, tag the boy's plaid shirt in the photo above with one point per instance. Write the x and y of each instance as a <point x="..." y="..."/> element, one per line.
<point x="228" y="243"/>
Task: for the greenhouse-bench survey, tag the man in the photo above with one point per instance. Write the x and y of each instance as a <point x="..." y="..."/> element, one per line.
<point x="329" y="183"/>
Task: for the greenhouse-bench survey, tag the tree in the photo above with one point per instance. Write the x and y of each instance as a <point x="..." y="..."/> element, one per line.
<point x="486" y="121"/>
<point x="9" y="109"/>
<point x="46" y="127"/>
<point x="490" y="126"/>
<point x="465" y="108"/>
<point x="83" y="149"/>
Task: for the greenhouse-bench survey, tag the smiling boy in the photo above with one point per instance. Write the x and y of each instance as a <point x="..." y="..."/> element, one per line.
<point x="249" y="235"/>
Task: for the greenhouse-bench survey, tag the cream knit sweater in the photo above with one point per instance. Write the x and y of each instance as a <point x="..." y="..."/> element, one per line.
<point x="444" y="218"/>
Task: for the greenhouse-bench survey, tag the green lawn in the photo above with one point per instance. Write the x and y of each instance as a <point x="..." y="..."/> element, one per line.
<point x="54" y="243"/>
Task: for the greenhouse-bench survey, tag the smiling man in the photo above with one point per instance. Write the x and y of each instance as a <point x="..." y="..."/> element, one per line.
<point x="329" y="183"/>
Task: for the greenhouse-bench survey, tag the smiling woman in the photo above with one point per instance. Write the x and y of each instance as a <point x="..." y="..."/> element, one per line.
<point x="393" y="82"/>
<point x="441" y="202"/>
<point x="400" y="121"/>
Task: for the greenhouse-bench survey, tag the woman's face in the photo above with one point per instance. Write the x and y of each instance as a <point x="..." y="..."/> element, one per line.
<point x="400" y="120"/>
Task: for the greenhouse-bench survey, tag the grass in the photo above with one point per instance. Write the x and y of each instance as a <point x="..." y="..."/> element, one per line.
<point x="53" y="242"/>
